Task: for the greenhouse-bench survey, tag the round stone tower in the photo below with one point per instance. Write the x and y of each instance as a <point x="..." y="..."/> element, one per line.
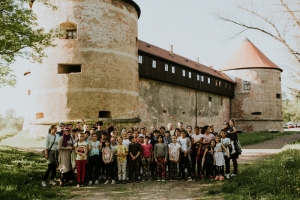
<point x="257" y="104"/>
<point x="92" y="72"/>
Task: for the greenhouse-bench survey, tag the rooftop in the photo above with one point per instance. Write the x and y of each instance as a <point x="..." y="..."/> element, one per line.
<point x="177" y="59"/>
<point x="248" y="56"/>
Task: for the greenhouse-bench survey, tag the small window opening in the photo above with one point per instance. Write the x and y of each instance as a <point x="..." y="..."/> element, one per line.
<point x="140" y="59"/>
<point x="166" y="67"/>
<point x="278" y="96"/>
<point x="173" y="70"/>
<point x="190" y="74"/>
<point x="183" y="113"/>
<point x="39" y="115"/>
<point x="216" y="83"/>
<point x="246" y="85"/>
<point x="68" y="30"/>
<point x="164" y="111"/>
<point x="68" y="68"/>
<point x="154" y="64"/>
<point x="220" y="83"/>
<point x="104" y="114"/>
<point x="256" y="113"/>
<point x="209" y="101"/>
<point x="202" y="78"/>
<point x="183" y="72"/>
<point x="29" y="92"/>
<point x="208" y="80"/>
<point x="198" y="77"/>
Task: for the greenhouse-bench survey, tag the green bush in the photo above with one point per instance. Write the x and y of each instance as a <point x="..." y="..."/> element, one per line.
<point x="275" y="178"/>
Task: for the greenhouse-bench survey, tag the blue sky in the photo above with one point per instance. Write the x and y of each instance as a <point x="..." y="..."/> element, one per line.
<point x="190" y="26"/>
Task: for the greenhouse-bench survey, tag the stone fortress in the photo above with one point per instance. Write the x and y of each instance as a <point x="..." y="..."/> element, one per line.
<point x="100" y="70"/>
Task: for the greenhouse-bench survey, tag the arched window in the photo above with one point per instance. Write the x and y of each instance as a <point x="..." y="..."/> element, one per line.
<point x="68" y="30"/>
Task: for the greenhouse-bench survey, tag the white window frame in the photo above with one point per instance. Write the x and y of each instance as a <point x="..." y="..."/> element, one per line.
<point x="140" y="59"/>
<point x="190" y="74"/>
<point x="183" y="72"/>
<point x="208" y="80"/>
<point x="166" y="67"/>
<point x="153" y="63"/>
<point x="198" y="77"/>
<point x="202" y="78"/>
<point x="173" y="70"/>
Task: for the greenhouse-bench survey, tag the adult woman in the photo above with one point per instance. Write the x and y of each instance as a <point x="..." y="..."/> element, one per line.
<point x="205" y="142"/>
<point x="50" y="155"/>
<point x="65" y="147"/>
<point x="231" y="133"/>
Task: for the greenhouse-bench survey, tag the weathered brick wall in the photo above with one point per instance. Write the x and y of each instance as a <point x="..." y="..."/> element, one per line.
<point x="161" y="103"/>
<point x="106" y="48"/>
<point x="265" y="85"/>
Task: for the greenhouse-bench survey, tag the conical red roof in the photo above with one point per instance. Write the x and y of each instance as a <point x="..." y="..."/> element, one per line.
<point x="248" y="56"/>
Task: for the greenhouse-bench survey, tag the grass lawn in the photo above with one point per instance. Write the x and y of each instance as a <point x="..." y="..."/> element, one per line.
<point x="257" y="137"/>
<point x="277" y="177"/>
<point x="20" y="175"/>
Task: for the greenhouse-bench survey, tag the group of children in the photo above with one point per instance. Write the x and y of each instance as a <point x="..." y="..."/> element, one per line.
<point x="137" y="155"/>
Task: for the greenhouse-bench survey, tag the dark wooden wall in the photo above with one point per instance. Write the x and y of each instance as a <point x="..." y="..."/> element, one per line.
<point x="147" y="71"/>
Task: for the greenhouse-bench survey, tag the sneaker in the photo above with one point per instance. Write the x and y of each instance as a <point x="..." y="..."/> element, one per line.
<point x="52" y="182"/>
<point x="143" y="180"/>
<point x="44" y="184"/>
<point x="190" y="179"/>
<point x="233" y="152"/>
<point x="221" y="178"/>
<point x="158" y="179"/>
<point x="211" y="178"/>
<point x="232" y="175"/>
<point x="78" y="185"/>
<point x="217" y="178"/>
<point x="106" y="182"/>
<point x="96" y="182"/>
<point x="171" y="179"/>
<point x="227" y="176"/>
<point x="163" y="179"/>
<point x="113" y="182"/>
<point x="90" y="182"/>
<point x="175" y="180"/>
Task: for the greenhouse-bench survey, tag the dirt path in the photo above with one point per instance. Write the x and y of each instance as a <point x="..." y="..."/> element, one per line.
<point x="257" y="151"/>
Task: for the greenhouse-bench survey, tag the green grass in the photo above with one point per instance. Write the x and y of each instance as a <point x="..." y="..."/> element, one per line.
<point x="277" y="177"/>
<point x="21" y="174"/>
<point x="257" y="137"/>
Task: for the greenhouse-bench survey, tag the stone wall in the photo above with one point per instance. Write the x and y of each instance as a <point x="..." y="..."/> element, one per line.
<point x="259" y="108"/>
<point x="161" y="103"/>
<point x="106" y="49"/>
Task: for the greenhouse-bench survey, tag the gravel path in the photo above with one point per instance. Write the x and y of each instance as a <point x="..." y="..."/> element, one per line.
<point x="257" y="151"/>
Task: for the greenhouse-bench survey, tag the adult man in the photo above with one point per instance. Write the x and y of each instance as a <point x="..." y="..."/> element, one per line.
<point x="99" y="130"/>
<point x="62" y="127"/>
<point x="196" y="137"/>
<point x="170" y="128"/>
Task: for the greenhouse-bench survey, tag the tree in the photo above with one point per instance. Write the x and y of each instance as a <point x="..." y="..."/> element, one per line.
<point x="10" y="113"/>
<point x="20" y="37"/>
<point x="278" y="19"/>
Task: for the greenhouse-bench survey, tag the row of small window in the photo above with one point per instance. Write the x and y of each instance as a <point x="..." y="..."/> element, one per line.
<point x="218" y="83"/>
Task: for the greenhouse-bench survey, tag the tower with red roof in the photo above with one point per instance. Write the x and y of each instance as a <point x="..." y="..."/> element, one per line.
<point x="257" y="103"/>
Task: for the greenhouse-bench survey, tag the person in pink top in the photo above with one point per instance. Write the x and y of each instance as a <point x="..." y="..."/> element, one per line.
<point x="146" y="150"/>
<point x="205" y="142"/>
